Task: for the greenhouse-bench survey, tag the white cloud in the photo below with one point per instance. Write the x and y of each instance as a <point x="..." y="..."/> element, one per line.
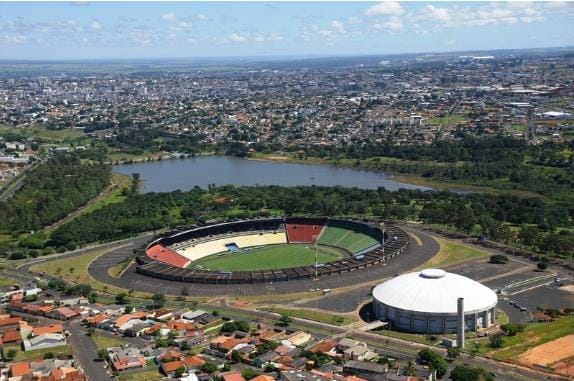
<point x="185" y="24"/>
<point x="440" y="14"/>
<point x="337" y="26"/>
<point x="236" y="37"/>
<point x="386" y="8"/>
<point x="95" y="25"/>
<point x="202" y="17"/>
<point x="394" y="25"/>
<point x="170" y="17"/>
<point x="13" y="39"/>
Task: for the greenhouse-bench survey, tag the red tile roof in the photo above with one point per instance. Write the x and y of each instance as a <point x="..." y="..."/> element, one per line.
<point x="20" y="369"/>
<point x="233" y="376"/>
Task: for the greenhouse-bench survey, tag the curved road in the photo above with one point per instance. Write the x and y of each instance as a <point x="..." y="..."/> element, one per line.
<point x="414" y="256"/>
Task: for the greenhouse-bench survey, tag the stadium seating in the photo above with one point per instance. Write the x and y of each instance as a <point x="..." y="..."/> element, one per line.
<point x="350" y="235"/>
<point x="165" y="255"/>
<point x="304" y="230"/>
<point x="218" y="245"/>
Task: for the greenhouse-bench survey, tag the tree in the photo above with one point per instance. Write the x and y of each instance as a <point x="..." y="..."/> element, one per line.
<point x="158" y="300"/>
<point x="11" y="354"/>
<point x="466" y="373"/>
<point x="179" y="372"/>
<point x="103" y="354"/>
<point x="184" y="291"/>
<point x="496" y="341"/>
<point x="122" y="299"/>
<point x="249" y="373"/>
<point x="285" y="320"/>
<point x="434" y="360"/>
<point x="499" y="259"/>
<point x="542" y="266"/>
<point x="236" y="356"/>
<point x="453" y="353"/>
<point x="48" y="355"/>
<point x="511" y="329"/>
<point x="208" y="367"/>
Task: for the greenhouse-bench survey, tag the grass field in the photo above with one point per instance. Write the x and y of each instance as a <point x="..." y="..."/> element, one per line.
<point x="312" y="315"/>
<point x="54" y="136"/>
<point x="145" y="375"/>
<point x="37" y="354"/>
<point x="107" y="341"/>
<point x="270" y="257"/>
<point x="345" y="238"/>
<point x="74" y="269"/>
<point x="451" y="253"/>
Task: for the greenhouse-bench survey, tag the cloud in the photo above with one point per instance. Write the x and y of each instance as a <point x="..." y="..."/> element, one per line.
<point x="185" y="24"/>
<point x="170" y="17"/>
<point x="386" y="8"/>
<point x="202" y="17"/>
<point x="13" y="39"/>
<point x="95" y="25"/>
<point x="458" y="15"/>
<point x="236" y="37"/>
<point x="394" y="25"/>
<point x="337" y="26"/>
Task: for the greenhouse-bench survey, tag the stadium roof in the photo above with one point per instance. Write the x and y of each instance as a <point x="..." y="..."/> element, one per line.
<point x="434" y="291"/>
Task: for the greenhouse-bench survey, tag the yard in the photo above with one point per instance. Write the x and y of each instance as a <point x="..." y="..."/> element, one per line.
<point x="145" y="375"/>
<point x="105" y="341"/>
<point x="37" y="354"/>
<point x="311" y="315"/>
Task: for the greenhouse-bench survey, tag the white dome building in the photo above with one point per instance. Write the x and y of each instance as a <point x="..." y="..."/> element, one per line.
<point x="426" y="302"/>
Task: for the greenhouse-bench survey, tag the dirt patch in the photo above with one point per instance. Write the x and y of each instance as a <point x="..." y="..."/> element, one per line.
<point x="569" y="288"/>
<point x="550" y="353"/>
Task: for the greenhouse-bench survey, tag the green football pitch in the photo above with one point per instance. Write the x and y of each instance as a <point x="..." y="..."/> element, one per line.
<point x="269" y="257"/>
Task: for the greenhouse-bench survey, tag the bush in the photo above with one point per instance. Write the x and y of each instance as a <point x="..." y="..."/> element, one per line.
<point x="249" y="373"/>
<point x="499" y="259"/>
<point x="542" y="265"/>
<point x="468" y="373"/>
<point x="48" y="355"/>
<point x="208" y="367"/>
<point x="496" y="341"/>
<point x="511" y="329"/>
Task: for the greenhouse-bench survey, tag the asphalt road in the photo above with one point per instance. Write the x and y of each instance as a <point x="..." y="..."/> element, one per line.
<point x="86" y="352"/>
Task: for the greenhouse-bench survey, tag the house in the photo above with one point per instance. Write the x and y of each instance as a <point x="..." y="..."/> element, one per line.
<point x="127" y="359"/>
<point x="48" y="340"/>
<point x="359" y="352"/>
<point x="232" y="376"/>
<point x="299" y="338"/>
<point x="137" y="330"/>
<point x="169" y="368"/>
<point x="20" y="369"/>
<point x="263" y="377"/>
<point x="367" y="370"/>
<point x="346" y="343"/>
<point x="10" y="323"/>
<point x="193" y="315"/>
<point x="62" y="313"/>
<point x="299" y="375"/>
<point x="193" y="363"/>
<point x="266" y="358"/>
<point x="74" y="301"/>
<point x="12" y="336"/>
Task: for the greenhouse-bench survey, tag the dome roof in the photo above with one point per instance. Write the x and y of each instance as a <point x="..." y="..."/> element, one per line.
<point x="434" y="291"/>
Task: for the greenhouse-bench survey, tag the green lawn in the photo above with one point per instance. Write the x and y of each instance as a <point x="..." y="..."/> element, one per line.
<point x="451" y="253"/>
<point x="73" y="269"/>
<point x="145" y="375"/>
<point x="106" y="341"/>
<point x="311" y="315"/>
<point x="345" y="238"/>
<point x="270" y="257"/>
<point x="447" y="120"/>
<point x="54" y="136"/>
<point x="37" y="354"/>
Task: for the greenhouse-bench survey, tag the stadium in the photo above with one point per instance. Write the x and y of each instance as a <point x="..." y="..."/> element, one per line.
<point x="427" y="302"/>
<point x="270" y="250"/>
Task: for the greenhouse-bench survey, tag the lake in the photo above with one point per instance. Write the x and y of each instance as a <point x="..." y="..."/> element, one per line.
<point x="184" y="174"/>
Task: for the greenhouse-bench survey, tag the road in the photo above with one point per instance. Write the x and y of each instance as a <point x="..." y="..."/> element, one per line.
<point x="86" y="352"/>
<point x="8" y="190"/>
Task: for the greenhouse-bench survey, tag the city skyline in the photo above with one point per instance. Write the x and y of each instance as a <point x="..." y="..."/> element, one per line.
<point x="108" y="30"/>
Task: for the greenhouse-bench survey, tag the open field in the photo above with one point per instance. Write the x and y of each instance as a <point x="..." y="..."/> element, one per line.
<point x="146" y="375"/>
<point x="106" y="341"/>
<point x="533" y="335"/>
<point x="72" y="269"/>
<point x="37" y="354"/>
<point x="550" y="352"/>
<point x="270" y="257"/>
<point x="54" y="136"/>
<point x="311" y="315"/>
<point x="451" y="253"/>
<point x="447" y="120"/>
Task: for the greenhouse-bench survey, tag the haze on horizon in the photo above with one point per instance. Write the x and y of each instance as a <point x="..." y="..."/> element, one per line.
<point x="109" y="30"/>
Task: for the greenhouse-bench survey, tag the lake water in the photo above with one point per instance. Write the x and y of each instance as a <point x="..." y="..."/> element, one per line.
<point x="184" y="174"/>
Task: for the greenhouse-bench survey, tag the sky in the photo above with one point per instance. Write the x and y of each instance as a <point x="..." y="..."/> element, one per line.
<point x="107" y="30"/>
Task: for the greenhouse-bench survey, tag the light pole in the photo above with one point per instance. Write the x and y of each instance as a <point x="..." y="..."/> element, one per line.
<point x="315" y="243"/>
